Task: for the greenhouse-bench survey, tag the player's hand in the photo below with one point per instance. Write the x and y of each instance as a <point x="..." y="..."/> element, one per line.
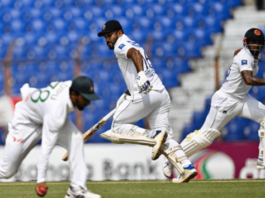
<point x="121" y="99"/>
<point x="41" y="189"/>
<point x="143" y="83"/>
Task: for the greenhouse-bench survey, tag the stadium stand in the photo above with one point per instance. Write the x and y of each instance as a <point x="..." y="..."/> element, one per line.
<point x="47" y="33"/>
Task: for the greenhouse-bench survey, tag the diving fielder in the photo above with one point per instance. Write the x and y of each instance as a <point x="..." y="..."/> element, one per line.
<point x="43" y="114"/>
<point x="146" y="97"/>
<point x="233" y="99"/>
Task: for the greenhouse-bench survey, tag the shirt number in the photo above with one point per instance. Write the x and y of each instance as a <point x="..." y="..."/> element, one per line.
<point x="41" y="95"/>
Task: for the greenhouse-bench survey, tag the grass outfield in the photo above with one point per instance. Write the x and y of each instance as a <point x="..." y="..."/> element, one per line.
<point x="146" y="189"/>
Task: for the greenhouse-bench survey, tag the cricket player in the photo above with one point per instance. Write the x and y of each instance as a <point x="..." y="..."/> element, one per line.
<point x="233" y="99"/>
<point x="42" y="114"/>
<point x="146" y="98"/>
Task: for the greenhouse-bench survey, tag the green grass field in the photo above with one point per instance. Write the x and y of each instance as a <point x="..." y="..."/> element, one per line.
<point x="146" y="189"/>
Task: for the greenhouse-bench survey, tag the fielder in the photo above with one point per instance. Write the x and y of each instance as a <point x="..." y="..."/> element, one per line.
<point x="233" y="99"/>
<point x="43" y="114"/>
<point x="146" y="97"/>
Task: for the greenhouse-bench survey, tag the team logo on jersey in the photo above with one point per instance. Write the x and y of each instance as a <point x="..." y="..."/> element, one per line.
<point x="121" y="46"/>
<point x="104" y="26"/>
<point x="244" y="62"/>
<point x="257" y="32"/>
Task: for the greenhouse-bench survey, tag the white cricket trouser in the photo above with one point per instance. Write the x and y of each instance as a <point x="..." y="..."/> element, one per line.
<point x="225" y="108"/>
<point x="154" y="106"/>
<point x="69" y="138"/>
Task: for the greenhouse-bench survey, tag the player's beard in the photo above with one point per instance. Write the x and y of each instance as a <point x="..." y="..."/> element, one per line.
<point x="255" y="51"/>
<point x="111" y="47"/>
<point x="80" y="108"/>
<point x="114" y="42"/>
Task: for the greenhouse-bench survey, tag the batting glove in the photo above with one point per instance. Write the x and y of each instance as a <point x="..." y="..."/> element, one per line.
<point x="143" y="83"/>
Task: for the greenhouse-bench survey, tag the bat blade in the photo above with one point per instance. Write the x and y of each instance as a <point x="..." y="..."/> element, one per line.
<point x="93" y="130"/>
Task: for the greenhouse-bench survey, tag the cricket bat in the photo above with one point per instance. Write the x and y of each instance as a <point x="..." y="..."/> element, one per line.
<point x="93" y="130"/>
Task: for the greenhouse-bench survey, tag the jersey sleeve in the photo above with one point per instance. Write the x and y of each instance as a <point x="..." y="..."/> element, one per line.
<point x="244" y="64"/>
<point x="52" y="123"/>
<point x="122" y="49"/>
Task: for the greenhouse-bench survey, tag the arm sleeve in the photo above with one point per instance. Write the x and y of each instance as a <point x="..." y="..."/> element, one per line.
<point x="52" y="123"/>
<point x="245" y="64"/>
<point x="122" y="49"/>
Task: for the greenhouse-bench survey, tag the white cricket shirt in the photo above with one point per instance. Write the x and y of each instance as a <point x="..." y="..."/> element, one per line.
<point x="128" y="69"/>
<point x="235" y="84"/>
<point x="48" y="107"/>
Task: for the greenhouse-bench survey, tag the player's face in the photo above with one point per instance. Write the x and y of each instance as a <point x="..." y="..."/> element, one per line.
<point x="111" y="38"/>
<point x="81" y="102"/>
<point x="255" y="47"/>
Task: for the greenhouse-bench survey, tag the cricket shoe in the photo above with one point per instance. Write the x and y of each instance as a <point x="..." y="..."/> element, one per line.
<point x="260" y="163"/>
<point x="189" y="173"/>
<point x="167" y="168"/>
<point x="79" y="192"/>
<point x="160" y="139"/>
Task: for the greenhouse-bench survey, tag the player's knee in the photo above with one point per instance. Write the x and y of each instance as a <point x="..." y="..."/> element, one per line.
<point x="198" y="140"/>
<point x="204" y="137"/>
<point x="8" y="173"/>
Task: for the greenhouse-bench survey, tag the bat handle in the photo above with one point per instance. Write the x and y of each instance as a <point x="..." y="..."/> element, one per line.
<point x="65" y="157"/>
<point x="109" y="115"/>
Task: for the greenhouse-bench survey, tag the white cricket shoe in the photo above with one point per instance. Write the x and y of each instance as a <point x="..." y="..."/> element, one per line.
<point x="167" y="168"/>
<point x="79" y="192"/>
<point x="189" y="173"/>
<point x="160" y="139"/>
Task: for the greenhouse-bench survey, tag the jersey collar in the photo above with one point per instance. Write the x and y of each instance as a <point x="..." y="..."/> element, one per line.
<point x="119" y="39"/>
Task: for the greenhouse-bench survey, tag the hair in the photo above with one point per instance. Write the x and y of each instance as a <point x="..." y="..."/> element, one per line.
<point x="72" y="90"/>
<point x="119" y="30"/>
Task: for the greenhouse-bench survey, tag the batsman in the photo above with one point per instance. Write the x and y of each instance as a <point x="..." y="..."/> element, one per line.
<point x="233" y="98"/>
<point x="146" y="98"/>
<point x="42" y="114"/>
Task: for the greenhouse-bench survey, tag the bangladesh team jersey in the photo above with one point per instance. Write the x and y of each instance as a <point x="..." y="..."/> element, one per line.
<point x="235" y="84"/>
<point x="128" y="69"/>
<point x="51" y="103"/>
<point x="46" y="108"/>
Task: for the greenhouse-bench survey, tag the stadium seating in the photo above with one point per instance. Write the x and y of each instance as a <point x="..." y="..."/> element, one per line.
<point x="47" y="34"/>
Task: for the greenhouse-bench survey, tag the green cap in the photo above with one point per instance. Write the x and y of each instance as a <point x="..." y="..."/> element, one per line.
<point x="85" y="87"/>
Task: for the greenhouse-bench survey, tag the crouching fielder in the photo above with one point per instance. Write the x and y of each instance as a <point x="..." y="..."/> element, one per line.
<point x="43" y="114"/>
<point x="147" y="98"/>
<point x="233" y="99"/>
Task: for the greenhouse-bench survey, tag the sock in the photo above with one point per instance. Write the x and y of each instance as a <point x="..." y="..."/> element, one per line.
<point x="180" y="153"/>
<point x="185" y="163"/>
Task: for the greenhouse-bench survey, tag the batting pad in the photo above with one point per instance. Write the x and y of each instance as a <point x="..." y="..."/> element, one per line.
<point x="198" y="140"/>
<point x="174" y="159"/>
<point x="135" y="138"/>
<point x="261" y="133"/>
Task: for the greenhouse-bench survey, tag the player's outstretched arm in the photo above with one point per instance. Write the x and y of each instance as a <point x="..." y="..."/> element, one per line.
<point x="142" y="81"/>
<point x="137" y="59"/>
<point x="252" y="80"/>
